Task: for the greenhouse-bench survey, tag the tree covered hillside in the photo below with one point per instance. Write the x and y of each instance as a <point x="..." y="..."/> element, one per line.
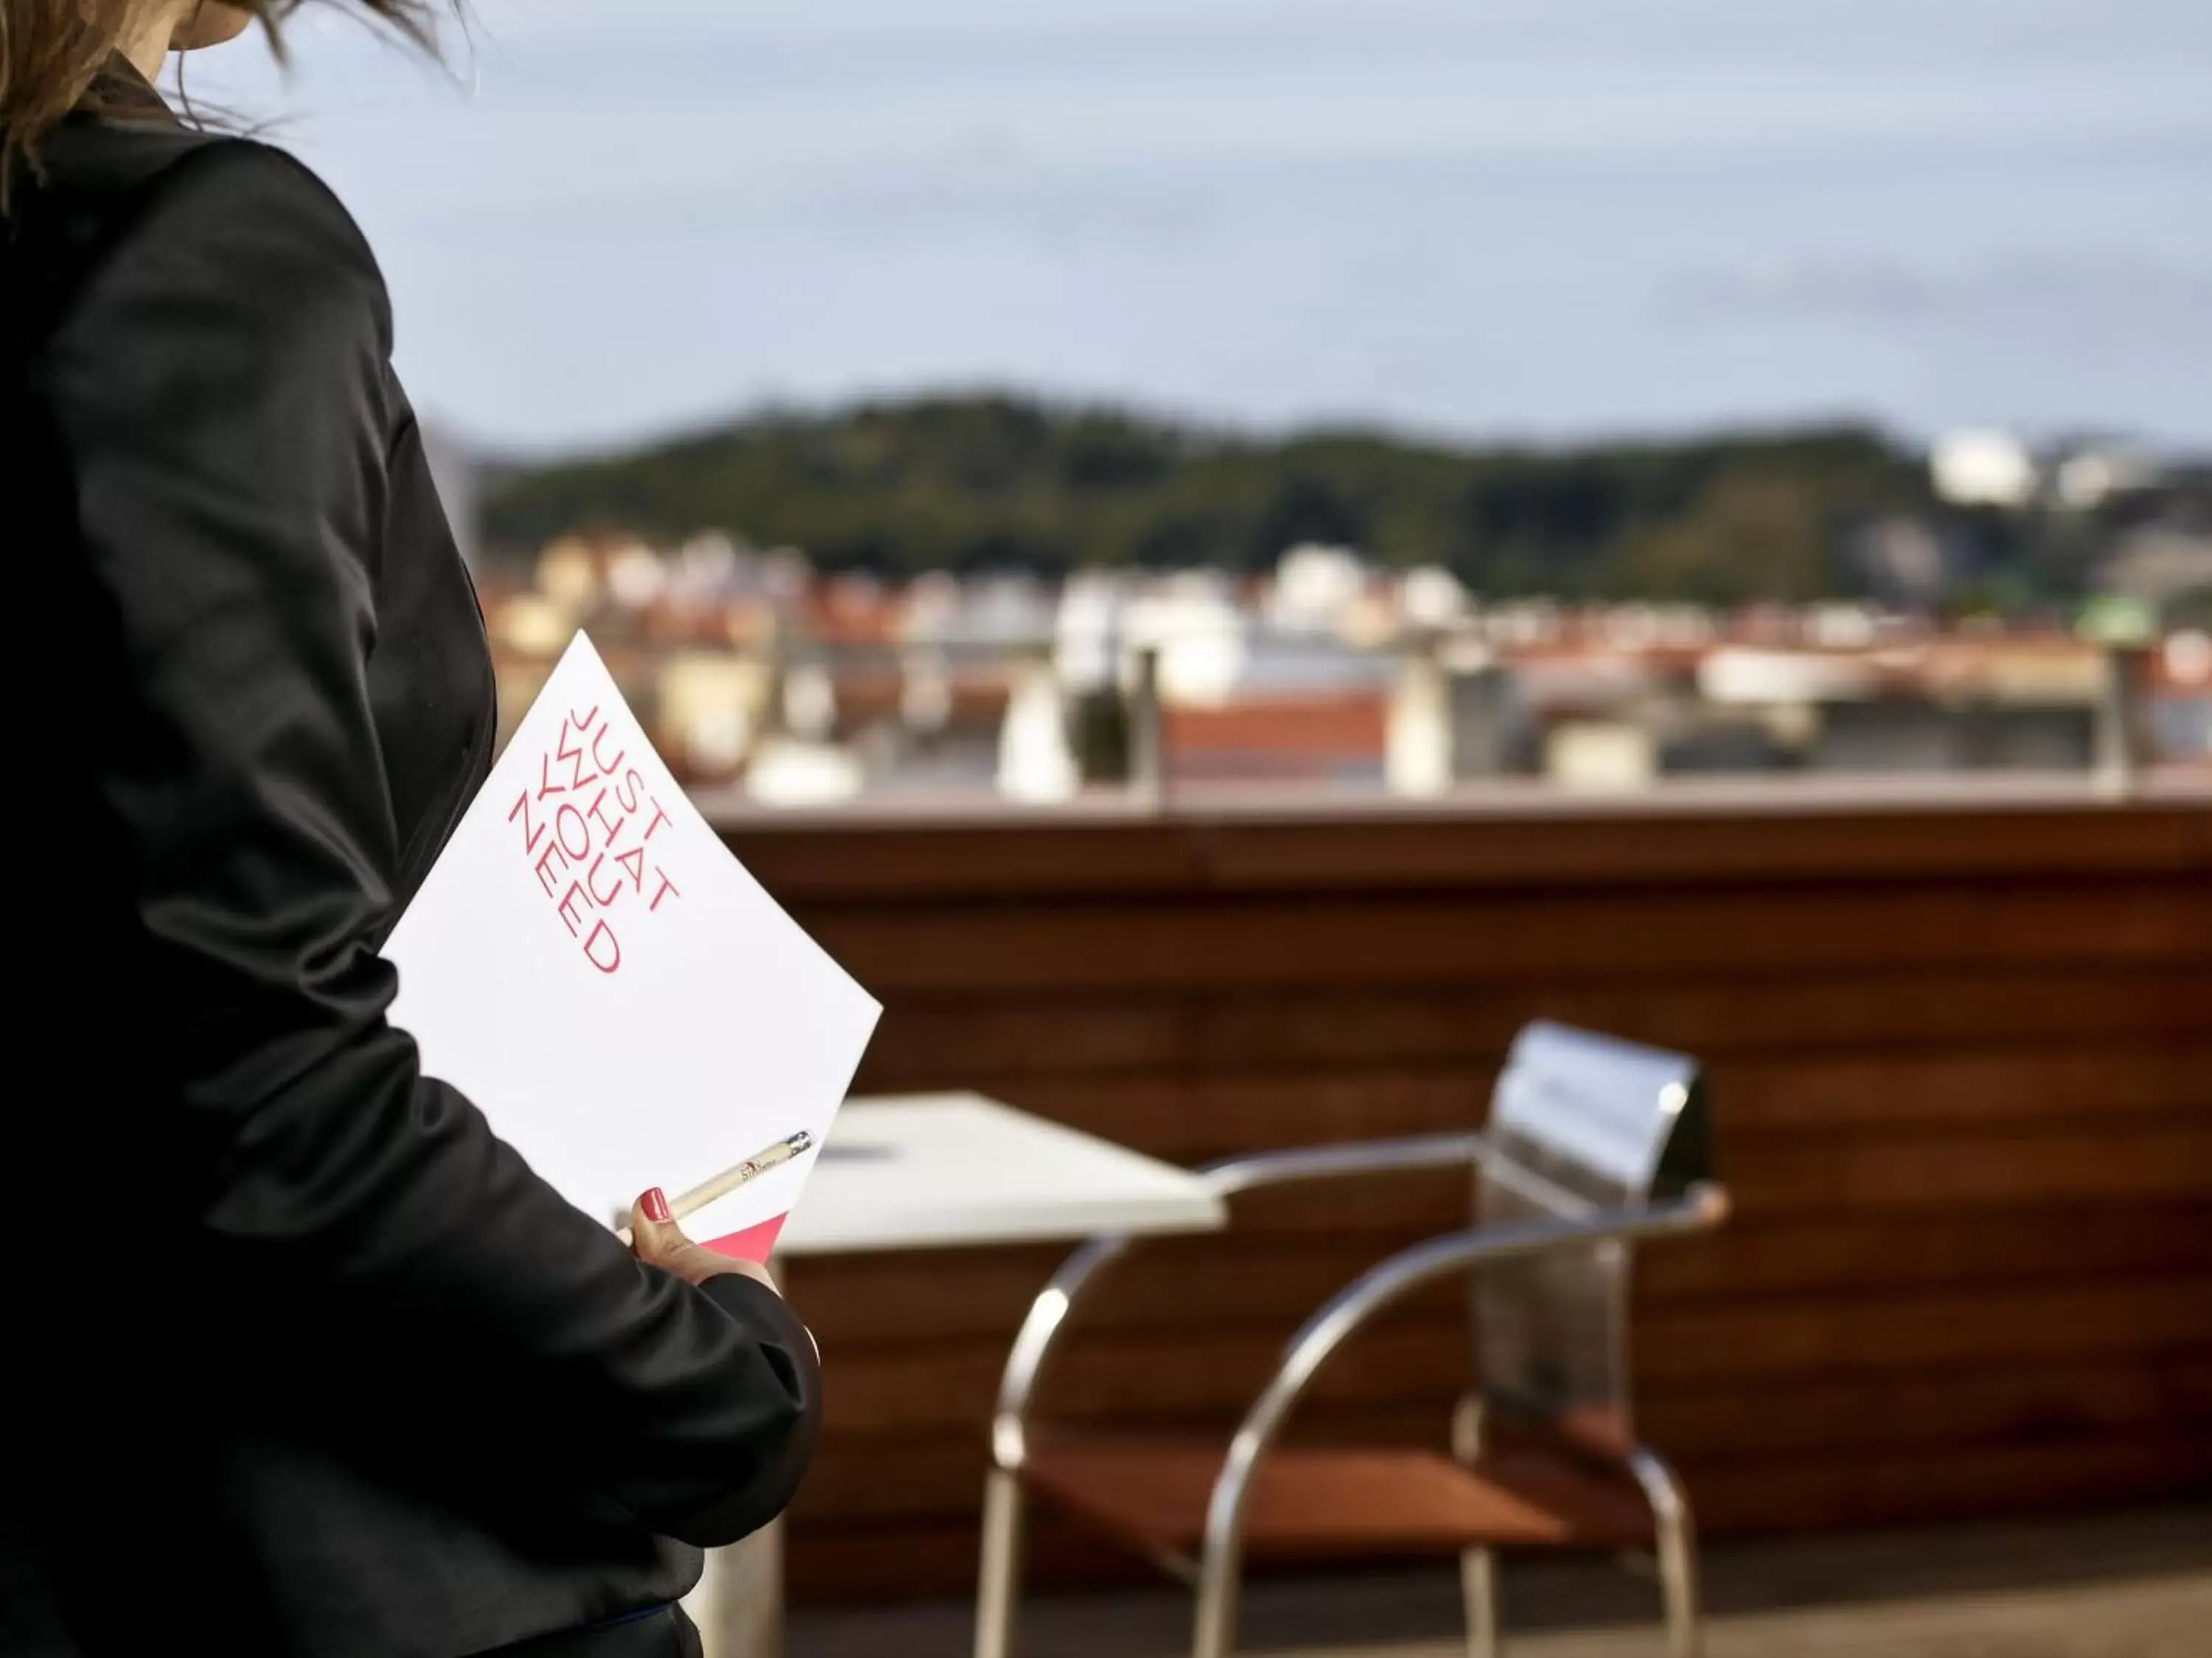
<point x="990" y="482"/>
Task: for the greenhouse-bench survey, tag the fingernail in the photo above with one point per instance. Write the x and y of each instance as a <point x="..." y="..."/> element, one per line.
<point x="654" y="1205"/>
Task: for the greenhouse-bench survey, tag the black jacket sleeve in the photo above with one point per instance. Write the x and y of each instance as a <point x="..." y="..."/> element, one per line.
<point x="220" y="391"/>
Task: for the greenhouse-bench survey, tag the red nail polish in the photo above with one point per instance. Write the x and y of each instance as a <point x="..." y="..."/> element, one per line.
<point x="655" y="1205"/>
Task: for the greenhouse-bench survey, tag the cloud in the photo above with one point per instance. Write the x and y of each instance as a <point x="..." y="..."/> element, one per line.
<point x="2112" y="296"/>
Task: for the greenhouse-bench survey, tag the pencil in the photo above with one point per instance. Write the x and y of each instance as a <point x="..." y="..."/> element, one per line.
<point x="738" y="1174"/>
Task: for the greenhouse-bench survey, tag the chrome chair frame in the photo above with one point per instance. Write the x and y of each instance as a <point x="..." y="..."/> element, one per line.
<point x="1217" y="1573"/>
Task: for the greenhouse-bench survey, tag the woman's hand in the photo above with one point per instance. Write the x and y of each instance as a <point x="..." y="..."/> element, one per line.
<point x="658" y="1239"/>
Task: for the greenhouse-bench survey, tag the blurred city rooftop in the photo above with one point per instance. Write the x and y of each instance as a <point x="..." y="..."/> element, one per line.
<point x="770" y="682"/>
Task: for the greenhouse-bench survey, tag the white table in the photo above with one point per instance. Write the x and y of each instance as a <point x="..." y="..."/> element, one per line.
<point x="940" y="1171"/>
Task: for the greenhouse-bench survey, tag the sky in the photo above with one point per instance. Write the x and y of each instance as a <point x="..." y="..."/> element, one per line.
<point x="1526" y="220"/>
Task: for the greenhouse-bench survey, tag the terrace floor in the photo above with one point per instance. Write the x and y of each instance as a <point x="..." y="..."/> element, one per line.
<point x="2133" y="1585"/>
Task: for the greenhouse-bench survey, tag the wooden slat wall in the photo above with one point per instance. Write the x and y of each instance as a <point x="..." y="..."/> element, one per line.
<point x="1962" y="1068"/>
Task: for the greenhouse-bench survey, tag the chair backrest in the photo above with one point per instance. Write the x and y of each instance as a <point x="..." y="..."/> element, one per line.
<point x="1577" y="1123"/>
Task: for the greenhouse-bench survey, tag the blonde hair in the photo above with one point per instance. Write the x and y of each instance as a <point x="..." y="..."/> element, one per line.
<point x="56" y="57"/>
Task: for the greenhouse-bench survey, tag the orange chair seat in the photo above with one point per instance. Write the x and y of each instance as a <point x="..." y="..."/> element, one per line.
<point x="1311" y="1504"/>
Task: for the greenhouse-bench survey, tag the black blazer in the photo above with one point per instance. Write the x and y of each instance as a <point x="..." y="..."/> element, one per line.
<point x="301" y="1358"/>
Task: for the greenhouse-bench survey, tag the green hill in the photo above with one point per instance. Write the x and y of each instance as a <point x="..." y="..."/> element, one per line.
<point x="990" y="482"/>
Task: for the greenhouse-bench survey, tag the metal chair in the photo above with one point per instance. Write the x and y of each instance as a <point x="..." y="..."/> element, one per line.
<point x="1593" y="1144"/>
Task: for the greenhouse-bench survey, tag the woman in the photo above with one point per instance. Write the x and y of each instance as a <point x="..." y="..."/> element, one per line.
<point x="301" y="1358"/>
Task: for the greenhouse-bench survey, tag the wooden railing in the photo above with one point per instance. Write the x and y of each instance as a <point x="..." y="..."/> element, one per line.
<point x="1962" y="1056"/>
